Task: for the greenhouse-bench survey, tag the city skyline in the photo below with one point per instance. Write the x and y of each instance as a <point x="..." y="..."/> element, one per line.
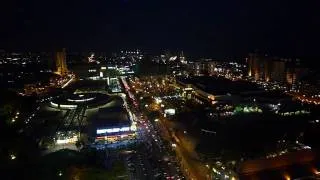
<point x="191" y="118"/>
<point x="159" y="89"/>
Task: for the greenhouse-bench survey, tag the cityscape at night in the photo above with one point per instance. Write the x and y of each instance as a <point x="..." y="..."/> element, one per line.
<point x="159" y="90"/>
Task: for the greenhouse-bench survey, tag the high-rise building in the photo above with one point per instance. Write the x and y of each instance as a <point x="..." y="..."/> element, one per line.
<point x="264" y="68"/>
<point x="61" y="64"/>
<point x="203" y="67"/>
<point x="212" y="66"/>
<point x="278" y="71"/>
<point x="182" y="58"/>
<point x="282" y="71"/>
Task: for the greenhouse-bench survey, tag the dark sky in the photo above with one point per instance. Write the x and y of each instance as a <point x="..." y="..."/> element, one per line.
<point x="213" y="28"/>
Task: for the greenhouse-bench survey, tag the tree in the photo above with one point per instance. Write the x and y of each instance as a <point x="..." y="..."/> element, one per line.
<point x="8" y="109"/>
<point x="8" y="112"/>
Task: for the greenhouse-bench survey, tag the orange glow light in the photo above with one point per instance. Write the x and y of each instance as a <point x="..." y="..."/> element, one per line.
<point x="315" y="171"/>
<point x="286" y="176"/>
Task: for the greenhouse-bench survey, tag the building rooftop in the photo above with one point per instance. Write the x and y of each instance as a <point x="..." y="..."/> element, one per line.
<point x="219" y="86"/>
<point x="112" y="117"/>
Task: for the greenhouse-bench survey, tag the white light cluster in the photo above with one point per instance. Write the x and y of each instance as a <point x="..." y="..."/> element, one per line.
<point x="158" y="100"/>
<point x="68" y="106"/>
<point x="63" y="105"/>
<point x="67" y="140"/>
<point x="92" y="70"/>
<point x="170" y="111"/>
<point x="81" y="100"/>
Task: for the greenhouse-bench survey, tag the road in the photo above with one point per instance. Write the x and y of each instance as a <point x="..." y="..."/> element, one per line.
<point x="305" y="99"/>
<point x="152" y="159"/>
<point x="183" y="152"/>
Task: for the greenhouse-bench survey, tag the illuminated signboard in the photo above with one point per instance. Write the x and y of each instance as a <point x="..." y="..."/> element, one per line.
<point x="125" y="129"/>
<point x="113" y="130"/>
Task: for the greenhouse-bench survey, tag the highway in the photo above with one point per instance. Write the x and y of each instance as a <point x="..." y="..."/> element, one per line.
<point x="183" y="153"/>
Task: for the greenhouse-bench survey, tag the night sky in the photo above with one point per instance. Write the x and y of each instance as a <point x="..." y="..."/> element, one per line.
<point x="212" y="28"/>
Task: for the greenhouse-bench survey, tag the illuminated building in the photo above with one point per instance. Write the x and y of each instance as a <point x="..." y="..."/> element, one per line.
<point x="61" y="64"/>
<point x="183" y="58"/>
<point x="278" y="71"/>
<point x="69" y="137"/>
<point x="203" y="67"/>
<point x="283" y="71"/>
<point x="212" y="66"/>
<point x="35" y="88"/>
<point x="291" y="78"/>
<point x="91" y="58"/>
<point x="198" y="68"/>
<point x="260" y="67"/>
<point x="113" y="125"/>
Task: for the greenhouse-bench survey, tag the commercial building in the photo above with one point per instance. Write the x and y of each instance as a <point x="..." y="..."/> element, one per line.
<point x="113" y="124"/>
<point x="90" y="71"/>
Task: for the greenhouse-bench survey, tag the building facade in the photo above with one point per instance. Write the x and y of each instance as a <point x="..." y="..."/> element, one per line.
<point x="61" y="63"/>
<point x="270" y="69"/>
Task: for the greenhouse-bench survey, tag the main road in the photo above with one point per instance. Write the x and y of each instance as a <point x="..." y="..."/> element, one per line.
<point x="187" y="159"/>
<point x="152" y="160"/>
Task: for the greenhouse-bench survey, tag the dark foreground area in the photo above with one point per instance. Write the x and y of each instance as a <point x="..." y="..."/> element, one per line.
<point x="68" y="164"/>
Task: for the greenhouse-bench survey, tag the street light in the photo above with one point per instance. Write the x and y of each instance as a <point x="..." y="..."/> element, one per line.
<point x="12" y="157"/>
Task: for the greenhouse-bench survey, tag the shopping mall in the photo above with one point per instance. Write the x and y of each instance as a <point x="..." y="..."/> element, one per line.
<point x="113" y="124"/>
